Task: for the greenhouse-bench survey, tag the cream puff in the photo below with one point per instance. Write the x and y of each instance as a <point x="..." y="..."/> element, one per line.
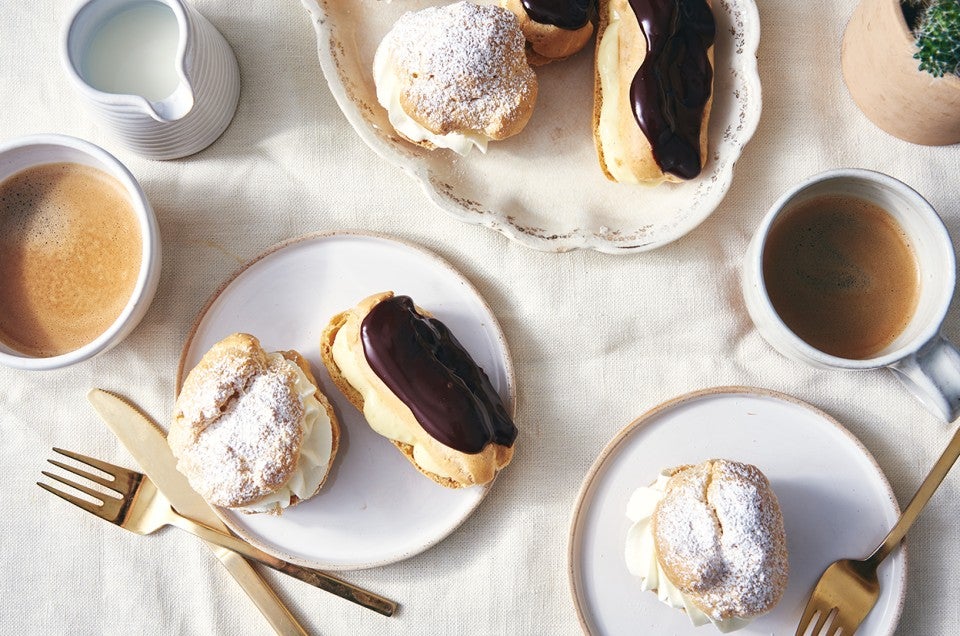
<point x="455" y="76"/>
<point x="417" y="386"/>
<point x="251" y="431"/>
<point x="554" y="29"/>
<point x="653" y="89"/>
<point x="709" y="539"/>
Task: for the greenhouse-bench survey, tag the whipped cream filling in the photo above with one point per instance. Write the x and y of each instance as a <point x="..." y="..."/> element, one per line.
<point x="388" y="94"/>
<point x="641" y="557"/>
<point x="608" y="127"/>
<point x="392" y="419"/>
<point x="315" y="449"/>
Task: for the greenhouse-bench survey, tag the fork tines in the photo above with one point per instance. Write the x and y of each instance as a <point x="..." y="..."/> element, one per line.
<point x="823" y="615"/>
<point x="825" y="612"/>
<point x="121" y="481"/>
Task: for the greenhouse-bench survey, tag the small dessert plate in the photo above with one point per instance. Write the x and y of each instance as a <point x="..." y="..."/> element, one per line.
<point x="835" y="500"/>
<point x="375" y="508"/>
<point x="543" y="187"/>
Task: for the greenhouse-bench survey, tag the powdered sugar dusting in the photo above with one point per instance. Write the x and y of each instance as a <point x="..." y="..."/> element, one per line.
<point x="239" y="450"/>
<point x="207" y="389"/>
<point x="720" y="529"/>
<point x="688" y="526"/>
<point x="238" y="429"/>
<point x="464" y="67"/>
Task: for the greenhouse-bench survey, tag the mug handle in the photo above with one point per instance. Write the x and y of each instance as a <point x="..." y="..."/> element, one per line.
<point x="932" y="374"/>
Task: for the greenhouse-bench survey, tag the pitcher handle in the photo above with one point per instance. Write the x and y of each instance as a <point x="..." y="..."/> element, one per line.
<point x="932" y="374"/>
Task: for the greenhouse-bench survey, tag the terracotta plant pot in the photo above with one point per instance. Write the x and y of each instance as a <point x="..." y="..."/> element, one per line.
<point x="883" y="78"/>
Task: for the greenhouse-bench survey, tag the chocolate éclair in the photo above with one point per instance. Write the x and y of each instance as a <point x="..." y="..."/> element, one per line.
<point x="554" y="29"/>
<point x="417" y="386"/>
<point x="653" y="89"/>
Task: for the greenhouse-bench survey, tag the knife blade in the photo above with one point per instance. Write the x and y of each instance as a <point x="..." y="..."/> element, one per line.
<point x="147" y="443"/>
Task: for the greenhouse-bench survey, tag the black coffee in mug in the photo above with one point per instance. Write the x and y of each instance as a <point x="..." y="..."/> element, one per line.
<point x="842" y="275"/>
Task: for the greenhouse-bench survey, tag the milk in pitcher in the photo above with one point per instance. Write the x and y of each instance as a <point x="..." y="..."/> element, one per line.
<point x="134" y="52"/>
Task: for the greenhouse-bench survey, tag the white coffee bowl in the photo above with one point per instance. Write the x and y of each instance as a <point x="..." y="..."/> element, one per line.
<point x="25" y="152"/>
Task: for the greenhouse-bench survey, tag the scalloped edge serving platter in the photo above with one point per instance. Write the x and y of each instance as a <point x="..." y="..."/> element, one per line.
<point x="544" y="188"/>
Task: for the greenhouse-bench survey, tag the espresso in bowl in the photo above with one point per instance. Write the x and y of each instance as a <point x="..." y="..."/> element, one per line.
<point x="79" y="252"/>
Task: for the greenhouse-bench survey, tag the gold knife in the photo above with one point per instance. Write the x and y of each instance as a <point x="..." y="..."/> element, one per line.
<point x="148" y="445"/>
<point x="147" y="442"/>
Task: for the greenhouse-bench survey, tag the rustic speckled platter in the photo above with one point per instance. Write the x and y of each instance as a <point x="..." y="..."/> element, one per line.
<point x="835" y="499"/>
<point x="543" y="187"/>
<point x="375" y="508"/>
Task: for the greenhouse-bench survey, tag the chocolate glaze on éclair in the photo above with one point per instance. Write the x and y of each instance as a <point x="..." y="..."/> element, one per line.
<point x="554" y="29"/>
<point x="566" y="14"/>
<point x="675" y="81"/>
<point x="417" y="387"/>
<point x="421" y="361"/>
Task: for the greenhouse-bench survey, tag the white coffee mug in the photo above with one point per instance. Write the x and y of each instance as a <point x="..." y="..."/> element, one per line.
<point x="920" y="356"/>
<point x="21" y="153"/>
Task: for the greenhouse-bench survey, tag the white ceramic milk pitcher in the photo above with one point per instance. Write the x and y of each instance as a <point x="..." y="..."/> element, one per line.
<point x="156" y="73"/>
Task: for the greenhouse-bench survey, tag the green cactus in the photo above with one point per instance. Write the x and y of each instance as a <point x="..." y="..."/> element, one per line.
<point x="937" y="28"/>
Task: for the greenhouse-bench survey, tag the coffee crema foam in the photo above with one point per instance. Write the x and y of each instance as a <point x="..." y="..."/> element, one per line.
<point x="842" y="275"/>
<point x="70" y="253"/>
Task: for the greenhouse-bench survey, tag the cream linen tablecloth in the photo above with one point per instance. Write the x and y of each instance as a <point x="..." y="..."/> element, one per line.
<point x="597" y="340"/>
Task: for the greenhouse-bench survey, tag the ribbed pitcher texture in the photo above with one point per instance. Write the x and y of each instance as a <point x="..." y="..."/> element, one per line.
<point x="192" y="116"/>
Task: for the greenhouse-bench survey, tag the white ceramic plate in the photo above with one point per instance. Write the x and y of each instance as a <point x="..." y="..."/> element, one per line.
<point x="544" y="187"/>
<point x="836" y="503"/>
<point x="375" y="507"/>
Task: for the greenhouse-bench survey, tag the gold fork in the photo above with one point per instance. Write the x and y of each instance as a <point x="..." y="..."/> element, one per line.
<point x="849" y="588"/>
<point x="143" y="509"/>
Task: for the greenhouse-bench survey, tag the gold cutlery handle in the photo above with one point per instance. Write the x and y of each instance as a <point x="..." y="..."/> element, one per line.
<point x="263" y="596"/>
<point x="339" y="587"/>
<point x="916" y="505"/>
<point x="315" y="578"/>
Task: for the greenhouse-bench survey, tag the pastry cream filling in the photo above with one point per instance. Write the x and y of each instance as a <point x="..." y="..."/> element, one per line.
<point x="388" y="94"/>
<point x="641" y="556"/>
<point x="608" y="128"/>
<point x="315" y="448"/>
<point x="392" y="419"/>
